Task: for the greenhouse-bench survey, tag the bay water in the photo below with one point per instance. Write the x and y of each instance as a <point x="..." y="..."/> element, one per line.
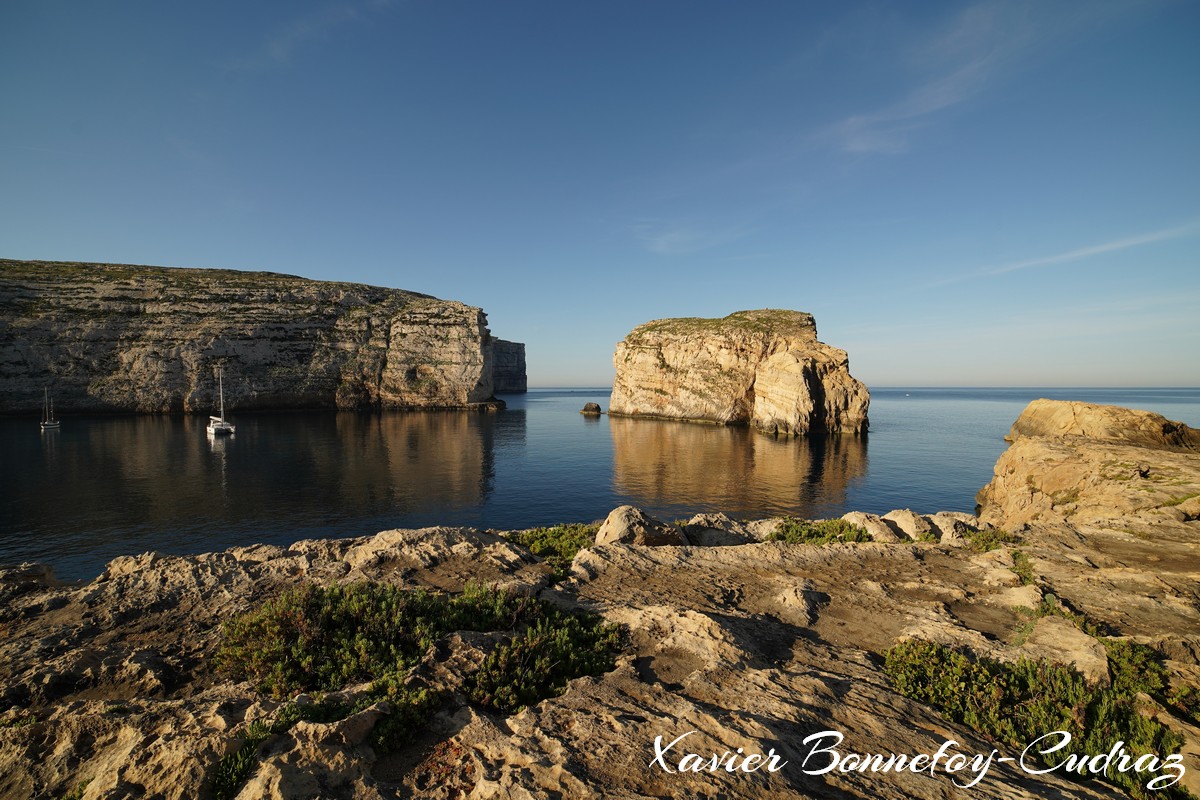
<point x="107" y="486"/>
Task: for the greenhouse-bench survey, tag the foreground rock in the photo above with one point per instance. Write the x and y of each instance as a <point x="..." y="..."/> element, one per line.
<point x="1065" y="418"/>
<point x="121" y="338"/>
<point x="747" y="643"/>
<point x="629" y="525"/>
<point x="1094" y="465"/>
<point x="764" y="368"/>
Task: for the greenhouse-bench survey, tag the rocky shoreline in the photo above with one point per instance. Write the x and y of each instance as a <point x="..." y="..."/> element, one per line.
<point x="1087" y="538"/>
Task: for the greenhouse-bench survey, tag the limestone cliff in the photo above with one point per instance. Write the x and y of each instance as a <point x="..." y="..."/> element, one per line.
<point x="508" y="370"/>
<point x="1095" y="465"/>
<point x="108" y="337"/>
<point x="764" y="368"/>
<point x="1103" y="424"/>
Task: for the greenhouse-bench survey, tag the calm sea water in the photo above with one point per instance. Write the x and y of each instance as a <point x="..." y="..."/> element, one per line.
<point x="108" y="486"/>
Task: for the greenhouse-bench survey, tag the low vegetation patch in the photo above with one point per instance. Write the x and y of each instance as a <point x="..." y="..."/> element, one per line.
<point x="77" y="792"/>
<point x="1023" y="568"/>
<point x="18" y="721"/>
<point x="322" y="638"/>
<point x="318" y="639"/>
<point x="557" y="545"/>
<point x="539" y="662"/>
<point x="828" y="531"/>
<point x="1186" y="700"/>
<point x="1018" y="703"/>
<point x="981" y="541"/>
<point x="1051" y="606"/>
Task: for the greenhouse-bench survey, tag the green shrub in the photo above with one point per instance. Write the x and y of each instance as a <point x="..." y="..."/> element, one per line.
<point x="539" y="662"/>
<point x="557" y="545"/>
<point x="1023" y="568"/>
<point x="77" y="792"/>
<point x="1135" y="668"/>
<point x="827" y="531"/>
<point x="1051" y="606"/>
<point x="19" y="721"/>
<point x="1017" y="703"/>
<point x="1186" y="700"/>
<point x="988" y="539"/>
<point x="234" y="768"/>
<point x="313" y="638"/>
<point x="411" y="708"/>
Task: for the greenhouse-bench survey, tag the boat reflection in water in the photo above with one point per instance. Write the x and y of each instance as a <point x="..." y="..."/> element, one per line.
<point x="158" y="483"/>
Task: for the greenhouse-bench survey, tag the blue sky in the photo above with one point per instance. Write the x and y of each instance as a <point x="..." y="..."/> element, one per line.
<point x="984" y="193"/>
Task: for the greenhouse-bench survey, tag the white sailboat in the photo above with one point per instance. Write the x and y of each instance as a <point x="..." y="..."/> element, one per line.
<point x="49" y="423"/>
<point x="217" y="426"/>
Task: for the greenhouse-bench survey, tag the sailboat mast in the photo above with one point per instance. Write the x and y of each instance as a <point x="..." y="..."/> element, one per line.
<point x="221" y="381"/>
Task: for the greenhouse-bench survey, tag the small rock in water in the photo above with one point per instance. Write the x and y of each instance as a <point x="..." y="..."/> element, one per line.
<point x="590" y="409"/>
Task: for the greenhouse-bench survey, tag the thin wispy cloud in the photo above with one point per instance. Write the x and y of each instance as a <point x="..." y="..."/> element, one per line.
<point x="1098" y="249"/>
<point x="976" y="49"/>
<point x="284" y="43"/>
<point x="675" y="240"/>
<point x="889" y="130"/>
<point x="1080" y="253"/>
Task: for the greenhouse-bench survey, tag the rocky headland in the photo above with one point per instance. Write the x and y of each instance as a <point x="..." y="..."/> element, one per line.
<point x="762" y="368"/>
<point x="508" y="367"/>
<point x="118" y="338"/>
<point x="1084" y="559"/>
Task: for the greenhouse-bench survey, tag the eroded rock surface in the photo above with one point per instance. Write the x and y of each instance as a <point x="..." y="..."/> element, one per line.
<point x="629" y="525"/>
<point x="121" y="338"/>
<point x="734" y="642"/>
<point x="1058" y="418"/>
<point x="764" y="368"/>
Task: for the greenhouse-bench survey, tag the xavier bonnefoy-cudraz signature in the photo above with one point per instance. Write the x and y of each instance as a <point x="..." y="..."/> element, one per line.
<point x="823" y="753"/>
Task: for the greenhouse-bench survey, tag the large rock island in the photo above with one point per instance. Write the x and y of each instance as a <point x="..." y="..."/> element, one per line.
<point x="108" y="337"/>
<point x="764" y="368"/>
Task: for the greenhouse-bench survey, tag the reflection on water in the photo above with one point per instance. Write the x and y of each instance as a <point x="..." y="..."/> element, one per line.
<point x="660" y="463"/>
<point x="107" y="486"/>
<point x="103" y="487"/>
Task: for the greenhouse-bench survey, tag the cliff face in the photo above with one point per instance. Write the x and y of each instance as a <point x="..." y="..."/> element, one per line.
<point x="109" y="337"/>
<point x="508" y="366"/>
<point x="1090" y="464"/>
<point x="764" y="368"/>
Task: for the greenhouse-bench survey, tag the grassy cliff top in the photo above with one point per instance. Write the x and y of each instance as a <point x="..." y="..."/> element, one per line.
<point x="62" y="272"/>
<point x="760" y="321"/>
